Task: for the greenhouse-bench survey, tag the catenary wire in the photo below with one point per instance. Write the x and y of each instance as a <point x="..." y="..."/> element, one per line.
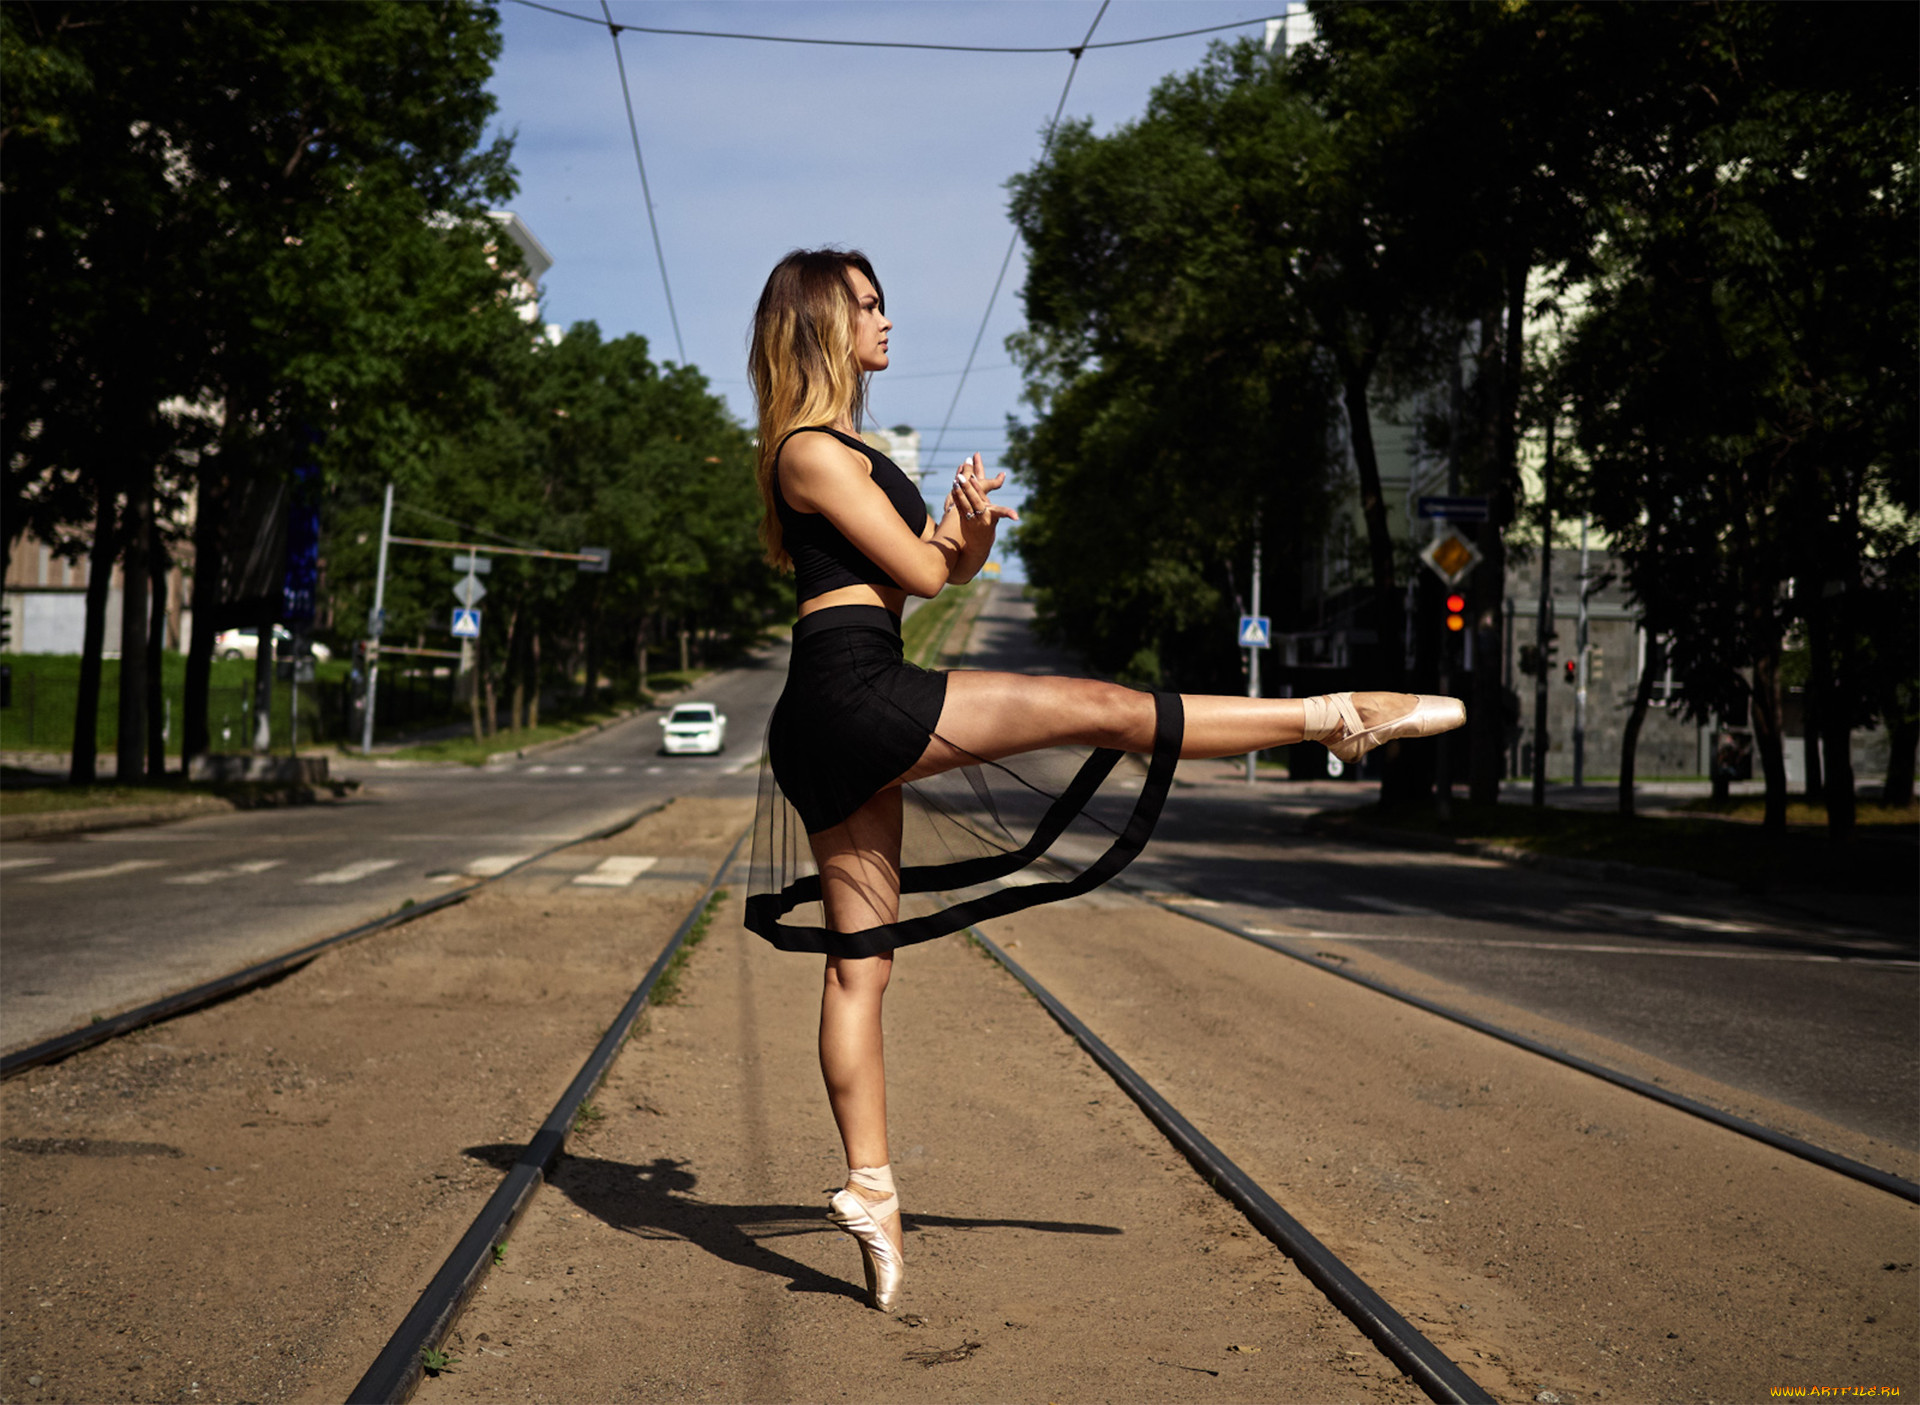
<point x="906" y="44"/>
<point x="633" y="127"/>
<point x="1052" y="128"/>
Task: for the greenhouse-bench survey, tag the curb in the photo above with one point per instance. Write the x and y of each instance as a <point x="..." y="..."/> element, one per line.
<point x="1666" y="880"/>
<point x="552" y="743"/>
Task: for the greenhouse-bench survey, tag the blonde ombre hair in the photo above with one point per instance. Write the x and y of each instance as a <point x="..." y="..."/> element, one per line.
<point x="801" y="361"/>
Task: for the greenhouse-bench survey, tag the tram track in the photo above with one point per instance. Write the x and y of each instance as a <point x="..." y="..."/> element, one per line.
<point x="396" y="1371"/>
<point x="1754" y="1131"/>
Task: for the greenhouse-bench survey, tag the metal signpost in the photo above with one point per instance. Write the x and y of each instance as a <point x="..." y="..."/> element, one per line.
<point x="1256" y="632"/>
<point x="475" y="561"/>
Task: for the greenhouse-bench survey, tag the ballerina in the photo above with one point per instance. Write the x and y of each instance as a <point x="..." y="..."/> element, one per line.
<point x="859" y="736"/>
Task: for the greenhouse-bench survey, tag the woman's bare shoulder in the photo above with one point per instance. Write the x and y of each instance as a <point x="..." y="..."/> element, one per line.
<point x="813" y="463"/>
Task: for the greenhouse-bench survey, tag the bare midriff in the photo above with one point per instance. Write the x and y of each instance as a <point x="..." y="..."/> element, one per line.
<point x="887" y="598"/>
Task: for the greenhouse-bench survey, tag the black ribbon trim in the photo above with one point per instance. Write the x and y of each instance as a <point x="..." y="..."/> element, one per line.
<point x="764" y="910"/>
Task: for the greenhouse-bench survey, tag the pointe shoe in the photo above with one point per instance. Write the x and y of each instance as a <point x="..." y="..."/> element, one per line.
<point x="885" y="1268"/>
<point x="1428" y="717"/>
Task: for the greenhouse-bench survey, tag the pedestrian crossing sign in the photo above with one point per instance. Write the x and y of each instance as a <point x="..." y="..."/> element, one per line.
<point x="1255" y="631"/>
<point x="466" y="624"/>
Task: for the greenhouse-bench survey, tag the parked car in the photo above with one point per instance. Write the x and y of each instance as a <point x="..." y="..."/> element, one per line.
<point x="245" y="644"/>
<point x="693" y="727"/>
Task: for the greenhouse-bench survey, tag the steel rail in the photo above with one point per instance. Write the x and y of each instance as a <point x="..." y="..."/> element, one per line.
<point x="396" y="1372"/>
<point x="1779" y="1141"/>
<point x="198" y="997"/>
<point x="1399" y="1340"/>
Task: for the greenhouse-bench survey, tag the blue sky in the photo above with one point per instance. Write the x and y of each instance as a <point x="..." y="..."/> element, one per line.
<point x="756" y="148"/>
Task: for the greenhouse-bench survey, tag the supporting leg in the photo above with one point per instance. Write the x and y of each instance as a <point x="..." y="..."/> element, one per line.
<point x="860" y="881"/>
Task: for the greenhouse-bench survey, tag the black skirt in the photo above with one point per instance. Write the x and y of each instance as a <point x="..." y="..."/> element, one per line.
<point x="977" y="842"/>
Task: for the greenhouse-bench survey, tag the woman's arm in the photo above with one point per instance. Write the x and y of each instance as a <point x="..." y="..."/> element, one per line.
<point x="820" y="474"/>
<point x="974" y="518"/>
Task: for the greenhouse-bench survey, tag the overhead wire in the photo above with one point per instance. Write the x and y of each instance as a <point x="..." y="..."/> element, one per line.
<point x="1053" y="128"/>
<point x="633" y="128"/>
<point x="901" y="43"/>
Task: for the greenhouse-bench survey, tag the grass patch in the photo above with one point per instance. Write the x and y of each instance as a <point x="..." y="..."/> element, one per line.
<point x="1877" y="861"/>
<point x="671" y="681"/>
<point x="46" y="687"/>
<point x="924" y="634"/>
<point x="469" y="752"/>
<point x="1752" y="809"/>
<point x="50" y="799"/>
<point x="666" y="990"/>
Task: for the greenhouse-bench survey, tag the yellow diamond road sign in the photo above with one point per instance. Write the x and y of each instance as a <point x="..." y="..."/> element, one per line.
<point x="1450" y="556"/>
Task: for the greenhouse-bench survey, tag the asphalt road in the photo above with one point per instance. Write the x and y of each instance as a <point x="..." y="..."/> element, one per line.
<point x="1812" y="1013"/>
<point x="102" y="922"/>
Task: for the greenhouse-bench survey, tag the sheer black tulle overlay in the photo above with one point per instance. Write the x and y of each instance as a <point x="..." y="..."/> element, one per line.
<point x="977" y="842"/>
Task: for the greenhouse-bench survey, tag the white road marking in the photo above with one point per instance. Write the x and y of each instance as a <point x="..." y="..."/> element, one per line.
<point x="617" y="872"/>
<point x="493" y="865"/>
<point x="656" y="770"/>
<point x="22" y="863"/>
<point x="576" y="770"/>
<point x="353" y="872"/>
<point x="611" y="770"/>
<point x="1605" y="949"/>
<point x="111" y="870"/>
<point x="537" y="770"/>
<point x="1388" y="905"/>
<point x="214" y="875"/>
<point x="1671" y="919"/>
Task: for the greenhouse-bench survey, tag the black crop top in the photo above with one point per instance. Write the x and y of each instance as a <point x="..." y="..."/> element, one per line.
<point x="823" y="558"/>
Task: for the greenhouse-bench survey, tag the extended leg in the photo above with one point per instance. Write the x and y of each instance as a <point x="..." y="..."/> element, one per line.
<point x="992" y="715"/>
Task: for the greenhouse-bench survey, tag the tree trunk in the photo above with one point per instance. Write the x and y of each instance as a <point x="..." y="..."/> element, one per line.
<point x="1487" y="719"/>
<point x="1769" y="737"/>
<point x="263" y="684"/>
<point x="1630" y="739"/>
<point x="1836" y="740"/>
<point x="533" y="674"/>
<point x="516" y="668"/>
<point x="490" y="711"/>
<point x="156" y="658"/>
<point x="640" y="658"/>
<point x="130" y="744"/>
<point x="1903" y="735"/>
<point x="84" y="766"/>
<point x="195" y="732"/>
<point x="1810" y="741"/>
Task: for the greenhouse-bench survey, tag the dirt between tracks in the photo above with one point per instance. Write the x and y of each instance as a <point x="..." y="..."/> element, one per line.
<point x="1057" y="1248"/>
<point x="241" y="1204"/>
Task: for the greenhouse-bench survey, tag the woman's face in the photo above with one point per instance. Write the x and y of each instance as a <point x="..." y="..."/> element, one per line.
<point x="870" y="324"/>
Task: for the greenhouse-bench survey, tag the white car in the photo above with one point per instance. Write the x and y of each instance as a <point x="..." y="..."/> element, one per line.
<point x="694" y="727"/>
<point x="245" y="644"/>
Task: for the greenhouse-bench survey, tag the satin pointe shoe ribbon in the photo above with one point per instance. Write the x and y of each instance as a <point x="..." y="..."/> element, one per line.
<point x="1425" y="716"/>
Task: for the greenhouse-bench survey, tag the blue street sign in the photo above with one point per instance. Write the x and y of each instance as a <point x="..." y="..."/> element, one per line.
<point x="1255" y="631"/>
<point x="1454" y="509"/>
<point x="466" y="624"/>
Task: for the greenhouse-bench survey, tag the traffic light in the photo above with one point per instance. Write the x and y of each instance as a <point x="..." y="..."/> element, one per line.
<point x="1456" y="613"/>
<point x="1570" y="670"/>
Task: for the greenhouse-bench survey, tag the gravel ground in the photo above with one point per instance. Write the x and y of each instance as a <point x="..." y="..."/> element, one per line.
<point x="242" y="1203"/>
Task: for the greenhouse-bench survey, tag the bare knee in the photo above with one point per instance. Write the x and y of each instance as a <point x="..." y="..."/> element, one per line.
<point x="1116" y="717"/>
<point x="859" y="977"/>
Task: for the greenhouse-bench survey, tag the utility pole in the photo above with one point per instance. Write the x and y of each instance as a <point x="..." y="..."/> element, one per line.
<point x="1253" y="654"/>
<point x="1543" y="629"/>
<point x="376" y="624"/>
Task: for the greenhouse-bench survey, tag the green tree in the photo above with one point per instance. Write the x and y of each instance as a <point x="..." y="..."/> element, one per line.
<point x="1745" y="377"/>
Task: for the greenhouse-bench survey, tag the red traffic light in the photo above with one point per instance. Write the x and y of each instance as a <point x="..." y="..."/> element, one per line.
<point x="1456" y="604"/>
<point x="1571" y="670"/>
